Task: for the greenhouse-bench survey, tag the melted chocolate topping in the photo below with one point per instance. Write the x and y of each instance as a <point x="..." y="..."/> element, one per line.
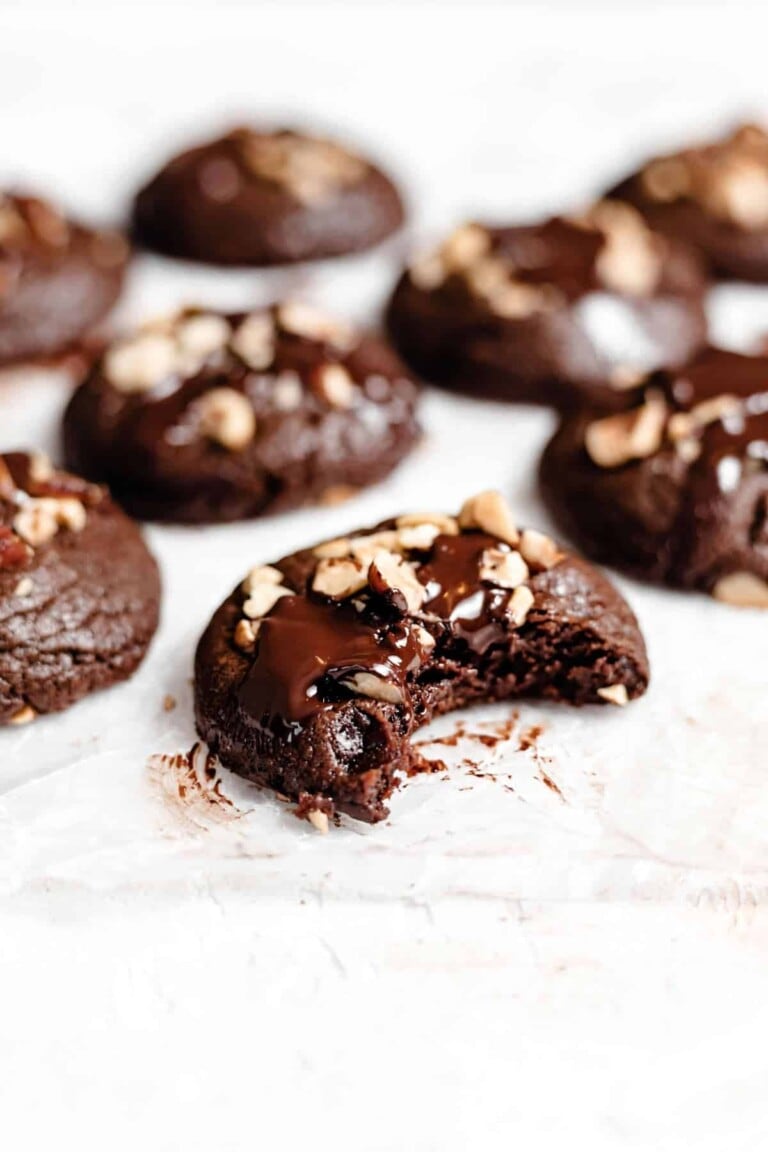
<point x="307" y="645"/>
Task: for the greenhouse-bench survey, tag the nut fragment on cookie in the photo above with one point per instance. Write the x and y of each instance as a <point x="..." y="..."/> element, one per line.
<point x="539" y="549"/>
<point x="39" y="519"/>
<point x="339" y="578"/>
<point x="335" y="385"/>
<point x="263" y="598"/>
<point x="520" y="604"/>
<point x="318" y="820"/>
<point x="141" y="363"/>
<point x="373" y="686"/>
<point x="489" y="512"/>
<point x="505" y="569"/>
<point x="246" y="632"/>
<point x="633" y="435"/>
<point x="446" y="525"/>
<point x="262" y="574"/>
<point x="200" y="336"/>
<point x="254" y="340"/>
<point x="25" y="715"/>
<point x="24" y="588"/>
<point x="742" y="589"/>
<point x="614" y="694"/>
<point x="312" y="323"/>
<point x="226" y="417"/>
<point x="389" y="572"/>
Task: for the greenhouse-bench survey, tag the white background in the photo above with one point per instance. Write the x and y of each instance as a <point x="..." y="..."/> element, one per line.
<point x="489" y="968"/>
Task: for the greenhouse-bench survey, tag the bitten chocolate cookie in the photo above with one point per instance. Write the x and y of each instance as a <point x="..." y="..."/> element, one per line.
<point x="258" y="198"/>
<point x="206" y="417"/>
<point x="313" y="675"/>
<point x="675" y="488"/>
<point x="557" y="313"/>
<point x="57" y="278"/>
<point x="715" y="197"/>
<point x="79" y="592"/>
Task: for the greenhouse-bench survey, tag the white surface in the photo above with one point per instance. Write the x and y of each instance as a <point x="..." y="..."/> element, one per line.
<point x="490" y="968"/>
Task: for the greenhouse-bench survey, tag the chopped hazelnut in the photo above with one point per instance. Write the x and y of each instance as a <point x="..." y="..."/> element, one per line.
<point x="614" y="694"/>
<point x="226" y="417"/>
<point x="633" y="435"/>
<point x="489" y="512"/>
<point x="287" y="392"/>
<point x="339" y="578"/>
<point x="263" y="598"/>
<point x="520" y="604"/>
<point x="389" y="572"/>
<point x="335" y="385"/>
<point x="466" y="245"/>
<point x="424" y="637"/>
<point x="25" y="715"/>
<point x="318" y="820"/>
<point x="141" y="363"/>
<point x="334" y="549"/>
<point x="539" y="549"/>
<point x="313" y="324"/>
<point x="742" y="589"/>
<point x="428" y="272"/>
<point x="373" y="686"/>
<point x="37" y="521"/>
<point x="446" y="525"/>
<point x="200" y="336"/>
<point x="245" y="634"/>
<point x="254" y="341"/>
<point x="263" y="574"/>
<point x="24" y="588"/>
<point x="505" y="569"/>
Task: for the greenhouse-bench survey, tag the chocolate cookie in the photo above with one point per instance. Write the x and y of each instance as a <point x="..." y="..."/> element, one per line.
<point x="254" y="197"/>
<point x="57" y="278"/>
<point x="557" y="313"/>
<point x="714" y="197"/>
<point x="206" y="417"/>
<point x="313" y="675"/>
<point x="79" y="592"/>
<point x="675" y="488"/>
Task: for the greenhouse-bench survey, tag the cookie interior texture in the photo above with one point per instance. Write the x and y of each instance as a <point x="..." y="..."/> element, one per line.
<point x="675" y="488"/>
<point x="313" y="675"/>
<point x="211" y="417"/>
<point x="79" y="592"/>
<point x="57" y="278"/>
<point x="563" y="312"/>
<point x="257" y="197"/>
<point x="713" y="196"/>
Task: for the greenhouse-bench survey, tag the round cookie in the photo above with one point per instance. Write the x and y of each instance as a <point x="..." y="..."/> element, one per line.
<point x="260" y="198"/>
<point x="714" y="197"/>
<point x="57" y="278"/>
<point x="79" y="592"/>
<point x="562" y="313"/>
<point x="674" y="488"/>
<point x="315" y="673"/>
<point x="205" y="417"/>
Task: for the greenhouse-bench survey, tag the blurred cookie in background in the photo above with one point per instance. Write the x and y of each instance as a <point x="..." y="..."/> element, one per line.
<point x="58" y="278"/>
<point x="675" y="487"/>
<point x="565" y="312"/>
<point x="257" y="197"/>
<point x="714" y="196"/>
<point x="79" y="591"/>
<point x="205" y="417"/>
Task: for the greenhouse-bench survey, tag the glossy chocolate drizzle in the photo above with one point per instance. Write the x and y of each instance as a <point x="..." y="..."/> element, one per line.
<point x="309" y="645"/>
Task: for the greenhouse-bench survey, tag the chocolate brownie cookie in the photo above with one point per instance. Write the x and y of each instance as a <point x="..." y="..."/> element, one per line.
<point x="313" y="675"/>
<point x="57" y="278"/>
<point x="715" y="197"/>
<point x="254" y="197"/>
<point x="79" y="592"/>
<point x="207" y="417"/>
<point x="674" y="488"/>
<point x="556" y="313"/>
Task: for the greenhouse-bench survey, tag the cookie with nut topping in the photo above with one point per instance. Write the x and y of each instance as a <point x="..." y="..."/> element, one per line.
<point x="674" y="488"/>
<point x="565" y="312"/>
<point x="317" y="670"/>
<point x="79" y="591"/>
<point x="257" y="197"/>
<point x="57" y="277"/>
<point x="206" y="417"/>
<point x="714" y="197"/>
